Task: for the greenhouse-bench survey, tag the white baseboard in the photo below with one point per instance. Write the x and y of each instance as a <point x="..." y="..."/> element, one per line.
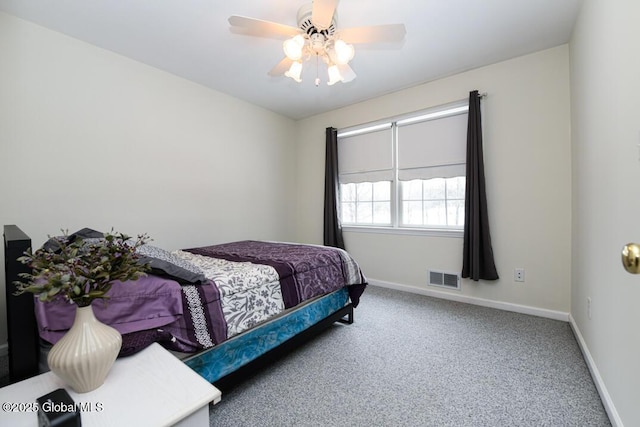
<point x="595" y="374"/>
<point x="4" y="349"/>
<point x="507" y="306"/>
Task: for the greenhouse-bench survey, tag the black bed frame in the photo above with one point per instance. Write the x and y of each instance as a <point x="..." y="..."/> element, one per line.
<point x="23" y="338"/>
<point x="21" y="321"/>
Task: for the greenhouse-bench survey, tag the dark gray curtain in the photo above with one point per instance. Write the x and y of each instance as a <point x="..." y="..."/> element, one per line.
<point x="477" y="261"/>
<point x="332" y="229"/>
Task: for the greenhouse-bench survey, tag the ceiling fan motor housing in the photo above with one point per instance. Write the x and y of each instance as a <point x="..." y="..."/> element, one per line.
<point x="306" y="25"/>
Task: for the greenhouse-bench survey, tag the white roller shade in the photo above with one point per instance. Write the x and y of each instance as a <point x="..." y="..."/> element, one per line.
<point x="446" y="171"/>
<point x="366" y="157"/>
<point x="432" y="149"/>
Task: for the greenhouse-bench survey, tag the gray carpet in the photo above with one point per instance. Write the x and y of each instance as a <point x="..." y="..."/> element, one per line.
<point x="411" y="360"/>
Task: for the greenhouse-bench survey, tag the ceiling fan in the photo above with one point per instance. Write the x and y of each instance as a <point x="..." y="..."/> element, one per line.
<point x="317" y="36"/>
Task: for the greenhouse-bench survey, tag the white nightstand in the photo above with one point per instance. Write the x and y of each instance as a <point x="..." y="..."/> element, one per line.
<point x="151" y="388"/>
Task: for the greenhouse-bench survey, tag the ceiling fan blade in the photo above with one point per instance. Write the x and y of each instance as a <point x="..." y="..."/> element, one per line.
<point x="281" y="67"/>
<point x="322" y="13"/>
<point x="346" y="72"/>
<point x="373" y="34"/>
<point x="260" y="28"/>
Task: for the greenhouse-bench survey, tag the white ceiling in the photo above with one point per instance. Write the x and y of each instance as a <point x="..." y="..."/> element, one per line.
<point x="192" y="39"/>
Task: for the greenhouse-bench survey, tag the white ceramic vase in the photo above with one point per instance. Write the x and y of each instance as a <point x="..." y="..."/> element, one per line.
<point x="84" y="356"/>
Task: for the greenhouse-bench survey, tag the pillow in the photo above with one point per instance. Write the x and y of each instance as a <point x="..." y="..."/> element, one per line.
<point x="85" y="234"/>
<point x="147" y="303"/>
<point x="164" y="263"/>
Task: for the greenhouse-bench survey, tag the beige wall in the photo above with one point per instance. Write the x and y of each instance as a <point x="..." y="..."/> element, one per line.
<point x="526" y="119"/>
<point x="605" y="83"/>
<point x="90" y="138"/>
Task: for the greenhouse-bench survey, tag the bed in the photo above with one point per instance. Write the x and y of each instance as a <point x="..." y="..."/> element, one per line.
<point x="223" y="308"/>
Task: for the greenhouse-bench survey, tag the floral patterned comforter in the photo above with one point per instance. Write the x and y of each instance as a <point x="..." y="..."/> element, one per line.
<point x="250" y="282"/>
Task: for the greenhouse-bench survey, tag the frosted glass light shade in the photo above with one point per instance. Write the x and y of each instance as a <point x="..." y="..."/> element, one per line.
<point x="334" y="75"/>
<point x="343" y="52"/>
<point x="293" y="47"/>
<point x="295" y="71"/>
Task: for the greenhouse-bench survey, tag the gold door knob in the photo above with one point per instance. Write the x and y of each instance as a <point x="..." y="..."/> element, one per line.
<point x="631" y="258"/>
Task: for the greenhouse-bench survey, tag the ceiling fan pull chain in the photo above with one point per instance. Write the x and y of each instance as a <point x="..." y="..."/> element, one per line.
<point x="317" y="71"/>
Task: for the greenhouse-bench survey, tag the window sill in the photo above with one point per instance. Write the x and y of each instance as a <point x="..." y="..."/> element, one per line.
<point x="431" y="232"/>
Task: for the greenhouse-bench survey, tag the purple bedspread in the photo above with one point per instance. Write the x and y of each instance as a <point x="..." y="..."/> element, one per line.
<point x="193" y="318"/>
<point x="147" y="303"/>
<point x="305" y="271"/>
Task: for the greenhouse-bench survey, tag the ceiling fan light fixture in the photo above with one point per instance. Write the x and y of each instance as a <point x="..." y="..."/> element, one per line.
<point x="343" y="52"/>
<point x="346" y="72"/>
<point x="295" y="71"/>
<point x="293" y="47"/>
<point x="317" y="35"/>
<point x="334" y="75"/>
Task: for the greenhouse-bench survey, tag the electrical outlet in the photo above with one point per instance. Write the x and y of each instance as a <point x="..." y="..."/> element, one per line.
<point x="518" y="274"/>
<point x="589" y="307"/>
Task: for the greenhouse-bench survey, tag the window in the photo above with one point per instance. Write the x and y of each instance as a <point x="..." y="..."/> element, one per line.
<point x="366" y="203"/>
<point x="433" y="202"/>
<point x="405" y="173"/>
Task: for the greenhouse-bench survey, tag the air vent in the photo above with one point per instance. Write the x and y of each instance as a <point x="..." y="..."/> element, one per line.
<point x="444" y="279"/>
